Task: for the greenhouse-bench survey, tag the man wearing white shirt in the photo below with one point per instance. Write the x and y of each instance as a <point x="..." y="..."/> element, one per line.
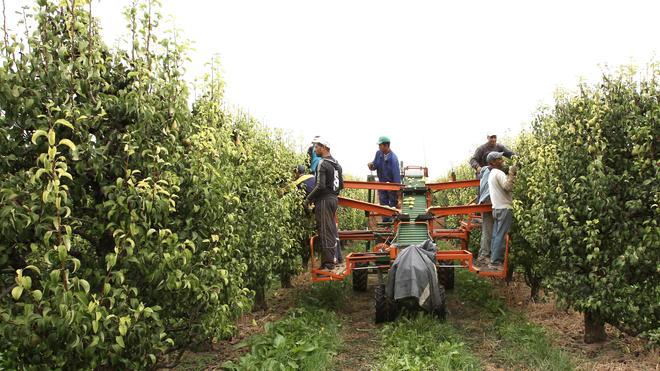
<point x="500" y="188"/>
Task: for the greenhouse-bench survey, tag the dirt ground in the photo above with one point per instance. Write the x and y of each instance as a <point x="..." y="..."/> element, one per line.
<point x="620" y="352"/>
<point x="359" y="333"/>
<point x="361" y="344"/>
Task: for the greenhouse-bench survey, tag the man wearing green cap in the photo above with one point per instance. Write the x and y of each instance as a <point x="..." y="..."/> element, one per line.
<point x="386" y="165"/>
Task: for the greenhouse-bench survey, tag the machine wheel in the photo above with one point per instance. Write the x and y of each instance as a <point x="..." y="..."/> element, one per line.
<point x="441" y="311"/>
<point x="446" y="275"/>
<point x="360" y="278"/>
<point x="386" y="308"/>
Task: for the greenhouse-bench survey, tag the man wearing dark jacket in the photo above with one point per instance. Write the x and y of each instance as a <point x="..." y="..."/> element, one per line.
<point x="329" y="181"/>
<point x="478" y="160"/>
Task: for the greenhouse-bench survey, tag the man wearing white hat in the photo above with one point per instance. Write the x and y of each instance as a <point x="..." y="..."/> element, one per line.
<point x="329" y="181"/>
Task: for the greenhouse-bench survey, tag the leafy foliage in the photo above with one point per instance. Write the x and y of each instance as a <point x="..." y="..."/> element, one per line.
<point x="587" y="199"/>
<point x="132" y="226"/>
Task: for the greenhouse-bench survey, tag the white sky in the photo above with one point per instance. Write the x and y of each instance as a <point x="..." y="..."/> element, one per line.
<point x="434" y="76"/>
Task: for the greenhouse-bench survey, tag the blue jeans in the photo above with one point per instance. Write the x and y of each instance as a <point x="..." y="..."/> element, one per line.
<point x="502" y="219"/>
<point x="387" y="198"/>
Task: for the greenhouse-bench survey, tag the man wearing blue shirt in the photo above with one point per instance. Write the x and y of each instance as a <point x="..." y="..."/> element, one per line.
<point x="386" y="165"/>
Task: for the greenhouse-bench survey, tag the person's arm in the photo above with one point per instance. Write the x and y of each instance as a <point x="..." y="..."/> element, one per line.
<point x="507" y="152"/>
<point x="320" y="183"/>
<point x="373" y="165"/>
<point x="505" y="181"/>
<point x="396" y="170"/>
<point x="474" y="161"/>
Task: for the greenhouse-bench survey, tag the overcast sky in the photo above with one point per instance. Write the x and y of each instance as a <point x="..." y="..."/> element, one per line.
<point x="435" y="76"/>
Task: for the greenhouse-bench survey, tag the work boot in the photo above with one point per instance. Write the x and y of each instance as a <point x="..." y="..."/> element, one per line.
<point x="496" y="267"/>
<point x="482" y="262"/>
<point x="327" y="266"/>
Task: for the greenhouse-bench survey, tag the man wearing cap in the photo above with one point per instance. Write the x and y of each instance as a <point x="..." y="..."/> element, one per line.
<point x="329" y="181"/>
<point x="478" y="160"/>
<point x="312" y="157"/>
<point x="386" y="165"/>
<point x="500" y="187"/>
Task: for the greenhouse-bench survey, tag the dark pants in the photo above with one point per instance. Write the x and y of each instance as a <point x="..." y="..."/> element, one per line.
<point x="387" y="198"/>
<point x="326" y="229"/>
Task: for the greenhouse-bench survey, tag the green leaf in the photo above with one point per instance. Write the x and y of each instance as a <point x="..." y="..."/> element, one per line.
<point x="37" y="134"/>
<point x="279" y="341"/>
<point x="16" y="292"/>
<point x="34" y="268"/>
<point x="37" y="294"/>
<point x="68" y="143"/>
<point x="62" y="252"/>
<point x="51" y="137"/>
<point x="64" y="122"/>
<point x="120" y="341"/>
<point x="84" y="284"/>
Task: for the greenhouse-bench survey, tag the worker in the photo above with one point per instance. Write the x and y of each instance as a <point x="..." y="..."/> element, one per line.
<point x="304" y="181"/>
<point x="312" y="157"/>
<point x="386" y="164"/>
<point x="478" y="160"/>
<point x="329" y="182"/>
<point x="483" y="258"/>
<point x="500" y="187"/>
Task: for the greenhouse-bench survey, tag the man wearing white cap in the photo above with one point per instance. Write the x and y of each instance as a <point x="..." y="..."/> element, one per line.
<point x="329" y="181"/>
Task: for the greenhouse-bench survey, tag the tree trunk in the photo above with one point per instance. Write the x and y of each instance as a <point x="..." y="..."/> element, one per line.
<point x="285" y="281"/>
<point x="509" y="273"/>
<point x="594" y="328"/>
<point x="259" y="299"/>
<point x="536" y="289"/>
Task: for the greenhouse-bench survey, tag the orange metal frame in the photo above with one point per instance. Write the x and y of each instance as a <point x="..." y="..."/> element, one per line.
<point x="368" y="206"/>
<point x="453" y="185"/>
<point x="463" y="256"/>
<point x="381" y="186"/>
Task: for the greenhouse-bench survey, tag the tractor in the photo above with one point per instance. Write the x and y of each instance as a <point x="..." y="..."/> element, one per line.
<point x="415" y="221"/>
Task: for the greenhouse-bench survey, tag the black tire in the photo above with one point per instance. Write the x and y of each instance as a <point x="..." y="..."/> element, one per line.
<point x="386" y="308"/>
<point x="441" y="310"/>
<point x="360" y="278"/>
<point x="445" y="275"/>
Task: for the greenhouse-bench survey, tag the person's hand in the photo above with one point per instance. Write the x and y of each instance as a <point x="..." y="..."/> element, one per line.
<point x="371" y="166"/>
<point x="478" y="169"/>
<point x="513" y="170"/>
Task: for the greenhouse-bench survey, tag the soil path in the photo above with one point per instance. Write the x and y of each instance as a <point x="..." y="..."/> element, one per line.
<point x="360" y="338"/>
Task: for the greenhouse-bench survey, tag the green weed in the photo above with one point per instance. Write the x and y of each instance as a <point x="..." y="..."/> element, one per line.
<point x="524" y="343"/>
<point x="305" y="339"/>
<point x="477" y="292"/>
<point x="330" y="295"/>
<point x="424" y="343"/>
<point x="521" y="343"/>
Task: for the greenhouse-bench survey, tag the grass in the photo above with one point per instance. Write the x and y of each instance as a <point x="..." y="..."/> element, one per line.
<point x="524" y="343"/>
<point x="520" y="344"/>
<point x="422" y="342"/>
<point x="306" y="338"/>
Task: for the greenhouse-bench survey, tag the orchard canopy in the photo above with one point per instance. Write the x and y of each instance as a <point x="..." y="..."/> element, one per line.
<point x="136" y="222"/>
